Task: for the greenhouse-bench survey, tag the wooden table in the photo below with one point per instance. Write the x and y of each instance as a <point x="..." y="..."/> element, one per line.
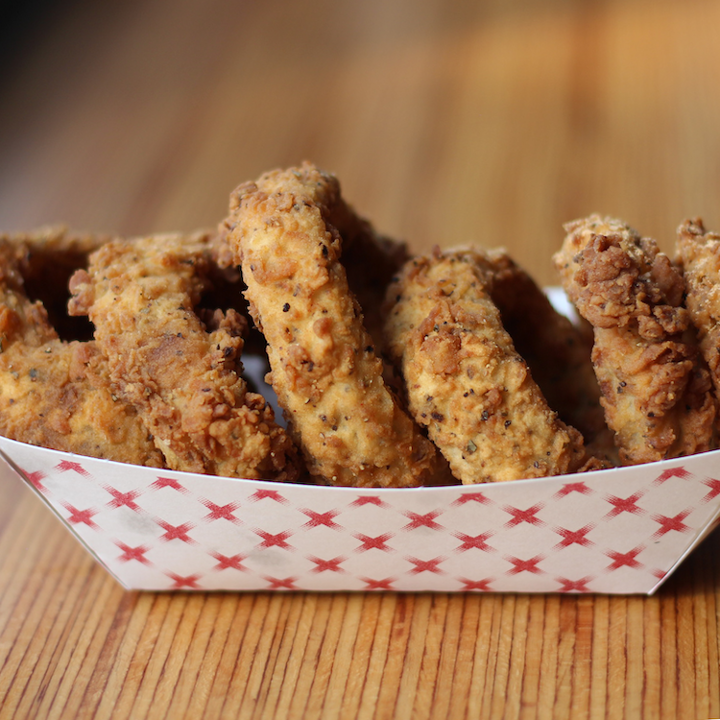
<point x="447" y="122"/>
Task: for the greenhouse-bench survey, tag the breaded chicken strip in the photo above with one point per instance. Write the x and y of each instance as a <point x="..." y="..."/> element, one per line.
<point x="557" y="351"/>
<point x="325" y="370"/>
<point x="699" y="252"/>
<point x="181" y="375"/>
<point x="53" y="393"/>
<point x="656" y="389"/>
<point x="465" y="381"/>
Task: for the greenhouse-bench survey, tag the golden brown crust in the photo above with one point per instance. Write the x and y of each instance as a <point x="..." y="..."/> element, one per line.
<point x="53" y="393"/>
<point x="325" y="370"/>
<point x="465" y="381"/>
<point x="654" y="384"/>
<point x="556" y="350"/>
<point x="699" y="252"/>
<point x="181" y="376"/>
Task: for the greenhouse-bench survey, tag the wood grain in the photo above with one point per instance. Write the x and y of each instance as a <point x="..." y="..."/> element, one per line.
<point x="447" y="122"/>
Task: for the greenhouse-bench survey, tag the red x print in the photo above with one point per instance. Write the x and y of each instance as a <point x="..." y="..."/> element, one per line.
<point x="176" y="532"/>
<point x="482" y="585"/>
<point x="578" y="487"/>
<point x="624" y="559"/>
<point x="133" y="553"/>
<point x="680" y="472"/>
<point x="234" y="562"/>
<point x="525" y="565"/>
<point x="474" y="541"/>
<point x="281" y="583"/>
<point x="671" y="523"/>
<point x="65" y="465"/>
<point x="269" y="494"/>
<point x="221" y="512"/>
<point x="621" y="505"/>
<point x="427" y="520"/>
<point x="477" y="497"/>
<point x="574" y="537"/>
<point x="121" y="499"/>
<point x="35" y="479"/>
<point x="81" y="516"/>
<point x="377" y="543"/>
<point x="327" y="565"/>
<point x="521" y="516"/>
<point x="426" y="565"/>
<point x="714" y="486"/>
<point x="180" y="582"/>
<point x="385" y="584"/>
<point x="163" y="482"/>
<point x="317" y="519"/>
<point x="574" y="585"/>
<point x="278" y="540"/>
<point x="368" y="500"/>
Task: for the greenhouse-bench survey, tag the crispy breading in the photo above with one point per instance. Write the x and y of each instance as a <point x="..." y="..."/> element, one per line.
<point x="465" y="381"/>
<point x="656" y="388"/>
<point x="557" y="351"/>
<point x="53" y="393"/>
<point x="699" y="252"/>
<point x="182" y="376"/>
<point x="325" y="370"/>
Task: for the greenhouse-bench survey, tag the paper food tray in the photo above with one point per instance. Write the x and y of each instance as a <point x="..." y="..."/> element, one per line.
<point x="612" y="531"/>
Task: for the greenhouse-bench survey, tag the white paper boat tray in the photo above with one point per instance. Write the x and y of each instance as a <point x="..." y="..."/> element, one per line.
<point x="612" y="531"/>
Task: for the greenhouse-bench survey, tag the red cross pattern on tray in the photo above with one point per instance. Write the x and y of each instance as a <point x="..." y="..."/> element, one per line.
<point x="76" y="516"/>
<point x="479" y="542"/>
<point x="235" y="562"/>
<point x="714" y="486"/>
<point x="374" y="543"/>
<point x="611" y="531"/>
<point x="483" y="585"/>
<point x="120" y="499"/>
<point x="332" y="565"/>
<point x="570" y="537"/>
<point x="221" y="512"/>
<point x="132" y="553"/>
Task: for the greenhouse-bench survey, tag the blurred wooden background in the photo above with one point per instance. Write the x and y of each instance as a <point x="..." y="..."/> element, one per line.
<point x="447" y="121"/>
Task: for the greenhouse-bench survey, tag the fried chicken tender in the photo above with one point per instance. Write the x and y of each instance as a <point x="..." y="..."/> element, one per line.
<point x="465" y="381"/>
<point x="656" y="388"/>
<point x="557" y="351"/>
<point x="699" y="252"/>
<point x="53" y="393"/>
<point x="181" y="374"/>
<point x="324" y="366"/>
